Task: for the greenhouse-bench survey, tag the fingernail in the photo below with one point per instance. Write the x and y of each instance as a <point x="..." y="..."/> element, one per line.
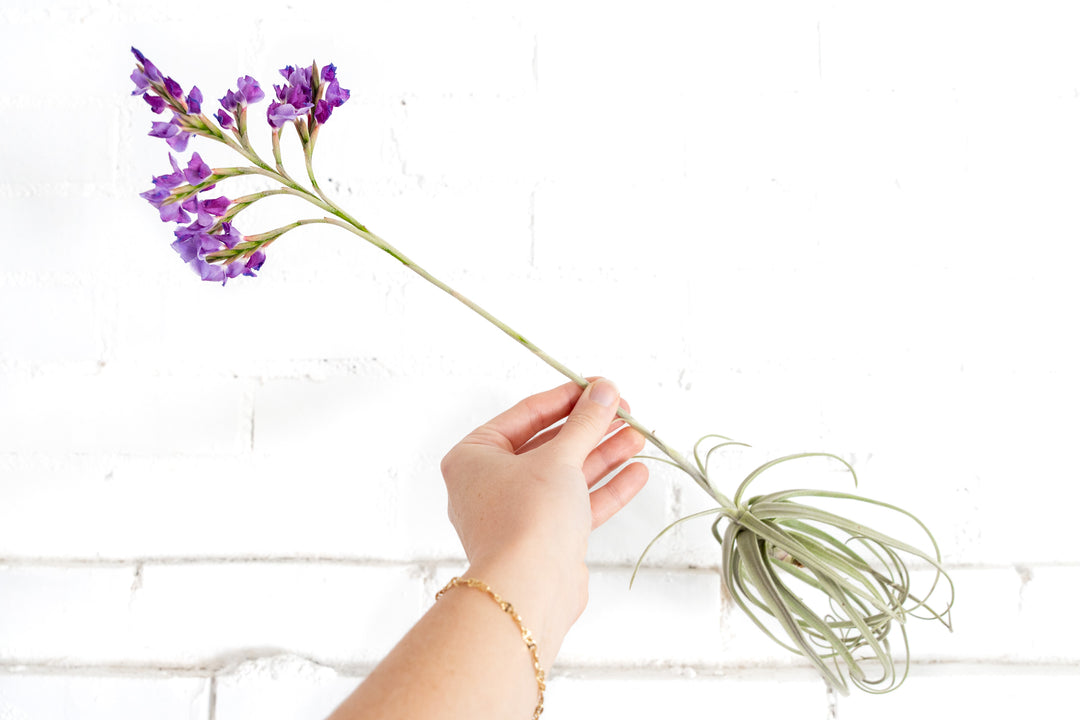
<point x="604" y="392"/>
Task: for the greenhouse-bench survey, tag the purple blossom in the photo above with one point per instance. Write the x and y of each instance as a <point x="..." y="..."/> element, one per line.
<point x="200" y="232"/>
<point x="162" y="191"/>
<point x="161" y="92"/>
<point x="248" y="91"/>
<point x="214" y="248"/>
<point x="231" y="101"/>
<point x="335" y="94"/>
<point x="299" y="96"/>
<point x="197" y="170"/>
<point x="280" y="113"/>
<point x="206" y="210"/>
<point x="298" y="77"/>
<point x="247" y="266"/>
<point x="174" y="136"/>
<point x="194" y="100"/>
<point x="173" y="212"/>
<point x="145" y="75"/>
<point x="156" y="103"/>
<point x="217" y="206"/>
<point x="173" y="179"/>
<point x="173" y="88"/>
<point x="194" y="244"/>
<point x="335" y="97"/>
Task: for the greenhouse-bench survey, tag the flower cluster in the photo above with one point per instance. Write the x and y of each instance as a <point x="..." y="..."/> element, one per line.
<point x="161" y="92"/>
<point x="177" y="198"/>
<point x="206" y="238"/>
<point x="234" y="104"/>
<point x="308" y="93"/>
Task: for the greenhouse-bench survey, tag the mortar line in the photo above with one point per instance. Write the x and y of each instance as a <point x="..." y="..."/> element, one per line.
<point x="583" y="670"/>
<point x="437" y="562"/>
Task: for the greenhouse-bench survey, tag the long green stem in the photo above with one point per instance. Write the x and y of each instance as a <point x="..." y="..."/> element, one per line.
<point x="346" y="221"/>
<point x="309" y="149"/>
<point x="351" y="225"/>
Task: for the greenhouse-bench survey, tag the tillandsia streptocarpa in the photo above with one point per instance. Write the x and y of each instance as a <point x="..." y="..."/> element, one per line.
<point x="775" y="548"/>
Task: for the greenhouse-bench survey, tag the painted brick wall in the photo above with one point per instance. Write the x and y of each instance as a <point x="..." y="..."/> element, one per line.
<point x="812" y="225"/>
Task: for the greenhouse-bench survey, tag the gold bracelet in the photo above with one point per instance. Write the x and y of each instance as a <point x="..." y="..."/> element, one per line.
<point x="525" y="634"/>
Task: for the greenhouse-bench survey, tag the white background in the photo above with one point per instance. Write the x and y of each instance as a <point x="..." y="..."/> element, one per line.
<point x="836" y="226"/>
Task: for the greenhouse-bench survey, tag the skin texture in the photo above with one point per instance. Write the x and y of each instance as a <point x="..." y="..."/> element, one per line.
<point x="523" y="499"/>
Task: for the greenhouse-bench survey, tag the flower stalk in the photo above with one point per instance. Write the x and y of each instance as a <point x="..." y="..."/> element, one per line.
<point x="776" y="549"/>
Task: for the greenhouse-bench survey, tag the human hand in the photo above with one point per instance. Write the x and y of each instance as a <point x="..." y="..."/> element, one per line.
<point x="519" y="496"/>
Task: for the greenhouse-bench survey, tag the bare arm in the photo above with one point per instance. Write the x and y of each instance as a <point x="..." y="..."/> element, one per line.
<point x="519" y="497"/>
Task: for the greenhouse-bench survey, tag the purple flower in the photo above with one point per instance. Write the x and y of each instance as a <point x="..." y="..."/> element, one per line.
<point x="162" y="191"/>
<point x="194" y="244"/>
<point x="145" y="75"/>
<point x="335" y="94"/>
<point x="206" y="210"/>
<point x="299" y="77"/>
<point x="163" y="92"/>
<point x="174" y="136"/>
<point x="200" y="237"/>
<point x="335" y="97"/>
<point x="217" y="206"/>
<point x="297" y="93"/>
<point x="173" y="212"/>
<point x="173" y="179"/>
<point x="248" y="91"/>
<point x="212" y="246"/>
<point x="197" y="170"/>
<point x="231" y="101"/>
<point x="280" y="113"/>
<point x="299" y="96"/>
<point x="173" y="88"/>
<point x="195" y="240"/>
<point x="194" y="100"/>
<point x="156" y="103"/>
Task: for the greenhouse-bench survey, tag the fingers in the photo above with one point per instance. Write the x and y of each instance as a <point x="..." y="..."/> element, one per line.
<point x="587" y="423"/>
<point x="612" y="453"/>
<point x="551" y="432"/>
<point x="617" y="492"/>
<point x="515" y="427"/>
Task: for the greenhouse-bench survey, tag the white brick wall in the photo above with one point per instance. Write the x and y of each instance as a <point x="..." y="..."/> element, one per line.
<point x="812" y="225"/>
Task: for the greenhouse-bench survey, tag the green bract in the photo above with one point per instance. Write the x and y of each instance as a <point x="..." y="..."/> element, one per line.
<point x="817" y="583"/>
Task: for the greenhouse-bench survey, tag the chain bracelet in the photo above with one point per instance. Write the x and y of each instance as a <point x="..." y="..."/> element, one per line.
<point x="525" y="634"/>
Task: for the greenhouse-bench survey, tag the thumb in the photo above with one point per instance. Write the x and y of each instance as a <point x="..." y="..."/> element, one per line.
<point x="588" y="421"/>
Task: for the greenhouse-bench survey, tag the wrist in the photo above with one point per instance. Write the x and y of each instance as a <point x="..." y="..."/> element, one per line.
<point x="549" y="598"/>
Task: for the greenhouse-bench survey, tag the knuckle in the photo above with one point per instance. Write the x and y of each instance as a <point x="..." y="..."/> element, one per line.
<point x="583" y="422"/>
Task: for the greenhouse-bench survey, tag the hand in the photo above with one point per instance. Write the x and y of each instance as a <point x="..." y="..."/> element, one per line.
<point x="519" y="497"/>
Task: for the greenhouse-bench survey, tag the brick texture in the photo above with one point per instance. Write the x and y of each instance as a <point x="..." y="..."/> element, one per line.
<point x="814" y="225"/>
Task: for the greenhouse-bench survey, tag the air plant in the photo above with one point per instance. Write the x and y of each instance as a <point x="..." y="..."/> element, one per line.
<point x="775" y="548"/>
